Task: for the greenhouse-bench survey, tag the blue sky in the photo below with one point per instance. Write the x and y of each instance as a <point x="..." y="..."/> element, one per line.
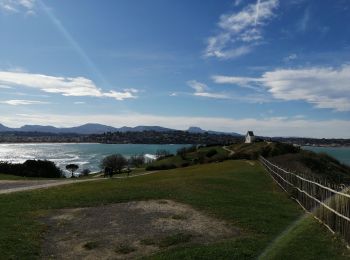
<point x="280" y="68"/>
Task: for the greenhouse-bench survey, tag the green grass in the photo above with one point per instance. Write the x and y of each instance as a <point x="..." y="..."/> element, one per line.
<point x="190" y="157"/>
<point x="177" y="160"/>
<point x="14" y="177"/>
<point x="234" y="191"/>
<point x="307" y="240"/>
<point x="10" y="177"/>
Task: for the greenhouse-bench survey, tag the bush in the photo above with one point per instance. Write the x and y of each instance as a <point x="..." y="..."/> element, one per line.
<point x="244" y="156"/>
<point x="185" y="164"/>
<point x="185" y="150"/>
<point x="161" y="154"/>
<point x="211" y="153"/>
<point x="221" y="158"/>
<point x="115" y="162"/>
<point x="32" y="168"/>
<point x="137" y="160"/>
<point x="160" y="167"/>
<point x="278" y="149"/>
<point x="85" y="172"/>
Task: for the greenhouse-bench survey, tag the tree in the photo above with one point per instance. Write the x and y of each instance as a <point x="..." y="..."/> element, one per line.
<point x="115" y="161"/>
<point x="137" y="160"/>
<point x="161" y="153"/>
<point x="85" y="172"/>
<point x="72" y="168"/>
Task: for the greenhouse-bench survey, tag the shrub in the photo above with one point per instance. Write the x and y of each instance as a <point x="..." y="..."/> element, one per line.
<point x="185" y="164"/>
<point x="137" y="160"/>
<point x="116" y="162"/>
<point x="161" y="153"/>
<point x="211" y="153"/>
<point x="85" y="172"/>
<point x="32" y="168"/>
<point x="185" y="150"/>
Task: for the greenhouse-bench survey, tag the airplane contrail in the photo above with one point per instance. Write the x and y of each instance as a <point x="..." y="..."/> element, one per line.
<point x="257" y="12"/>
<point x="69" y="38"/>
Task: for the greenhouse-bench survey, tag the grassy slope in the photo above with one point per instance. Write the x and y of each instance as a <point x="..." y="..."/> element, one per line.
<point x="10" y="177"/>
<point x="20" y="178"/>
<point x="177" y="160"/>
<point x="308" y="239"/>
<point x="241" y="194"/>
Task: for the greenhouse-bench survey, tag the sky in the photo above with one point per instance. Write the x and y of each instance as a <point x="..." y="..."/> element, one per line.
<point x="279" y="68"/>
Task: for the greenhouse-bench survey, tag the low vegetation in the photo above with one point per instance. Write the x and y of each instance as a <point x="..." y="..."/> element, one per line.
<point x="188" y="156"/>
<point x="318" y="165"/>
<point x="31" y="168"/>
<point x="266" y="149"/>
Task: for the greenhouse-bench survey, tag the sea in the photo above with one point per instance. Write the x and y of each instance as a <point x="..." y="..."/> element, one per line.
<point x="85" y="155"/>
<point x="89" y="155"/>
<point x="342" y="154"/>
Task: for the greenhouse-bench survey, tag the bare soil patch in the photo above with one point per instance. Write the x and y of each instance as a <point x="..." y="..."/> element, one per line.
<point x="128" y="230"/>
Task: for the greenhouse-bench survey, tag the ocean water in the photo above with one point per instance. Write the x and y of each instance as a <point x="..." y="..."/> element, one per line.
<point x="342" y="154"/>
<point x="87" y="156"/>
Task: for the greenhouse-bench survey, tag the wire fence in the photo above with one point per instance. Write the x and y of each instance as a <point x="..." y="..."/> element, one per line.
<point x="328" y="202"/>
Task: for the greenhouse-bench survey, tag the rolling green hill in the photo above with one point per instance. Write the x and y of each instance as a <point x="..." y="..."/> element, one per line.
<point x="239" y="193"/>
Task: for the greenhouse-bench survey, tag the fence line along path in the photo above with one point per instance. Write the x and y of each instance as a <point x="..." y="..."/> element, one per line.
<point x="328" y="202"/>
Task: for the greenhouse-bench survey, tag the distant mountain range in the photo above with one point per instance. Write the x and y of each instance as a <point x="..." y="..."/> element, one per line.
<point x="100" y="129"/>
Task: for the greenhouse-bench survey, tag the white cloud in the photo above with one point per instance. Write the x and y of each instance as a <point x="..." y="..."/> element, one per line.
<point x="323" y="87"/>
<point x="79" y="103"/>
<point x="201" y="90"/>
<point x="197" y="86"/>
<point x="290" y="57"/>
<point x="211" y="95"/>
<point x="240" y="31"/>
<point x="5" y="87"/>
<point x="17" y="102"/>
<point x="276" y="126"/>
<point x="15" y="6"/>
<point x="242" y="81"/>
<point x="67" y="86"/>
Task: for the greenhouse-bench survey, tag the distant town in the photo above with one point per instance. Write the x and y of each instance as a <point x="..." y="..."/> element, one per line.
<point x="156" y="137"/>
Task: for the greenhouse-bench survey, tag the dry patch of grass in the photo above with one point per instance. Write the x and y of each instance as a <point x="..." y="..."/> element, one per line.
<point x="128" y="230"/>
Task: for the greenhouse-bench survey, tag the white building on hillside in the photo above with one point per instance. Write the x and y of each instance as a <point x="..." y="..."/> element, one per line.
<point x="249" y="137"/>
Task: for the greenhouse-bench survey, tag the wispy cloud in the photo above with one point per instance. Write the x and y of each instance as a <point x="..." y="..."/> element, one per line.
<point x="290" y="57"/>
<point x="202" y="90"/>
<point x="67" y="86"/>
<point x="16" y="6"/>
<point x="303" y="23"/>
<point x="269" y="126"/>
<point x="18" y="102"/>
<point x="240" y="31"/>
<point x="5" y="87"/>
<point x="238" y="2"/>
<point x="323" y="87"/>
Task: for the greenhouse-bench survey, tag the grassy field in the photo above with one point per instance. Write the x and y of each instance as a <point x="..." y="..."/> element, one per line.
<point x="193" y="157"/>
<point x="234" y="191"/>
<point x="14" y="177"/>
<point x="10" y="177"/>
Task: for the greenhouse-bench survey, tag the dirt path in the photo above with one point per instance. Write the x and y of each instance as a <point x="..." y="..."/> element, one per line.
<point x="7" y="186"/>
<point x="130" y="230"/>
<point x="228" y="150"/>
